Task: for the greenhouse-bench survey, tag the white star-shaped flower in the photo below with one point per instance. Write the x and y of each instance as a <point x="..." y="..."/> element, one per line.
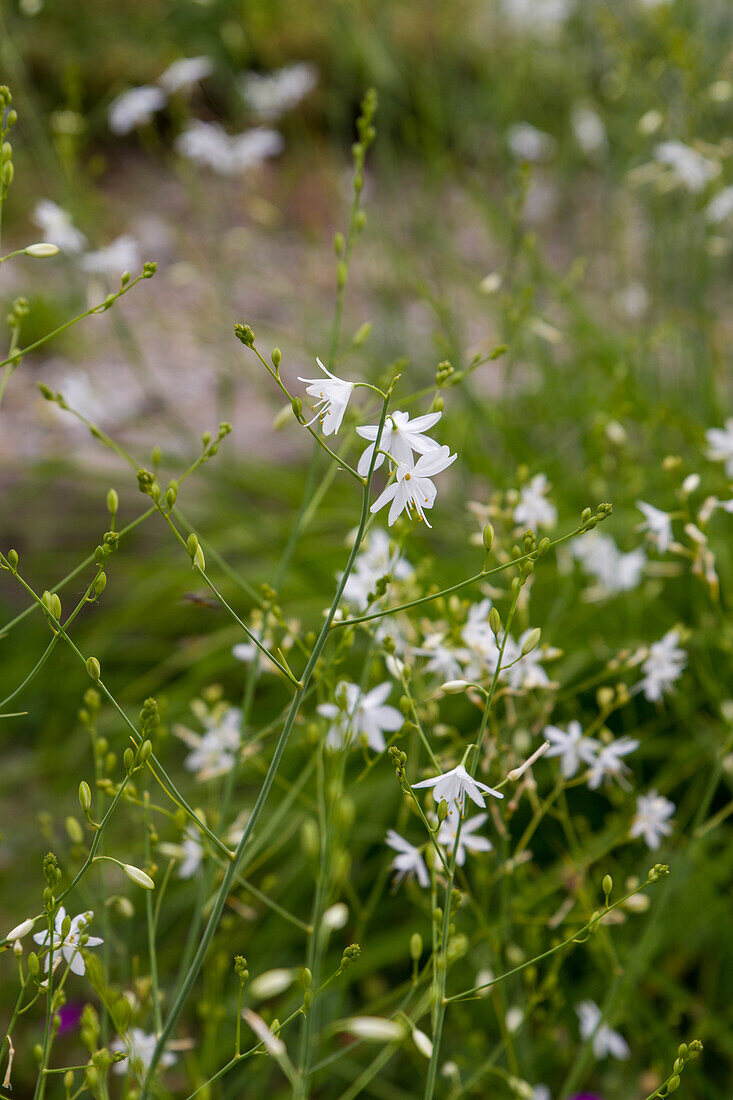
<point x="360" y="715"/>
<point x="658" y="524"/>
<point x="454" y="785"/>
<point x="69" y="945"/>
<point x="534" y="509"/>
<point x="400" y="438"/>
<point x="571" y="746"/>
<point x="412" y="489"/>
<point x="332" y="395"/>
<point x="139" y="1047"/>
<point x="720" y="445"/>
<point x="608" y="763"/>
<point x="605" y="1040"/>
<point x="408" y="860"/>
<point x="651" y="821"/>
<point x="466" y="841"/>
<point x="663" y="666"/>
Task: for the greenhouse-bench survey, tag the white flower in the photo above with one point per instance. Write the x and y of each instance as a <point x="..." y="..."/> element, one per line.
<point x="184" y="72"/>
<point x="376" y="559"/>
<point x="720" y="208"/>
<point x="533" y="509"/>
<point x="524" y="671"/>
<point x="400" y="438"/>
<point x="193" y="854"/>
<point x="605" y="1040"/>
<point x="333" y="396"/>
<point x="663" y="666"/>
<point x="720" y="445"/>
<point x="536" y="16"/>
<point x="134" y="108"/>
<point x="652" y="818"/>
<point x="271" y="983"/>
<point x="466" y="841"/>
<point x="123" y="254"/>
<point x="480" y="640"/>
<point x="271" y="1042"/>
<point x="206" y="143"/>
<point x="608" y="763"/>
<point x="526" y="142"/>
<point x="139" y="1047"/>
<point x="690" y="168"/>
<point x="454" y="785"/>
<point x="588" y="130"/>
<point x="361" y="716"/>
<point x="215" y="752"/>
<point x="271" y="94"/>
<point x="571" y="746"/>
<point x="412" y="488"/>
<point x="444" y="661"/>
<point x="68" y="945"/>
<point x="58" y="227"/>
<point x="658" y="524"/>
<point x="601" y="558"/>
<point x="408" y="860"/>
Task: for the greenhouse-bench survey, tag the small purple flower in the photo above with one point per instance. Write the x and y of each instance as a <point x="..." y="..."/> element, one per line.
<point x="70" y="1016"/>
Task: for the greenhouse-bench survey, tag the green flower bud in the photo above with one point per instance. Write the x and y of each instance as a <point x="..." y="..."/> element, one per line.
<point x="276" y="357"/>
<point x="415" y="946"/>
<point x="33" y="964"/>
<point x="140" y="878"/>
<point x="488" y="537"/>
<point x="74" y="829"/>
<point x="673" y="1084"/>
<point x="100" y="584"/>
<point x="94" y="668"/>
<point x="607" y="885"/>
<point x="494" y="621"/>
<point x="42" y="250"/>
<point x="532" y="641"/>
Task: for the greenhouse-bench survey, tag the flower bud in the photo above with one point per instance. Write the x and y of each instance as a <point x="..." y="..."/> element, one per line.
<point x="494" y="621"/>
<point x="607" y="885"/>
<point x="673" y="1084"/>
<point x="277" y="357"/>
<point x="415" y="946"/>
<point x="74" y="829"/>
<point x="33" y="964"/>
<point x="138" y="877"/>
<point x="454" y="687"/>
<point x="20" y="930"/>
<point x="94" y="668"/>
<point x="532" y="641"/>
<point x="42" y="250"/>
<point x="488" y="536"/>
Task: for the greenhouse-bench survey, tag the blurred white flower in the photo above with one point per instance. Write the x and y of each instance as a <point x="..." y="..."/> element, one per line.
<point x="360" y="716"/>
<point x="333" y="395"/>
<point x="376" y="559"/>
<point x="651" y="821"/>
<point x="271" y="983"/>
<point x="444" y="660"/>
<point x="658" y="524"/>
<point x="134" y="108"/>
<point x="271" y="1042"/>
<point x="691" y="169"/>
<point x="466" y="841"/>
<point x="413" y="489"/>
<point x="453" y="786"/>
<point x="483" y="650"/>
<point x="408" y="861"/>
<point x="58" y="227"/>
<point x="588" y="130"/>
<point x="207" y="144"/>
<point x="605" y="1040"/>
<point x="184" y="72"/>
<point x="139" y="1047"/>
<point x="607" y="764"/>
<point x="215" y="752"/>
<point x="271" y="94"/>
<point x="524" y="671"/>
<point x="720" y="207"/>
<point x="534" y="509"/>
<point x="720" y="445"/>
<point x="68" y="944"/>
<point x="537" y="17"/>
<point x="123" y="254"/>
<point x="571" y="746"/>
<point x="526" y="142"/>
<point x="193" y="853"/>
<point x="663" y="666"/>
<point x="601" y="558"/>
<point x="400" y="437"/>
<point x="633" y="301"/>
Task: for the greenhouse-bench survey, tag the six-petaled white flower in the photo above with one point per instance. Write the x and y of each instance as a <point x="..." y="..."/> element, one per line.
<point x="651" y="820"/>
<point x="400" y="438"/>
<point x="454" y="785"/>
<point x="408" y="861"/>
<point x="608" y="761"/>
<point x="663" y="666"/>
<point x="412" y="489"/>
<point x="658" y="524"/>
<point x="467" y="840"/>
<point x="360" y="716"/>
<point x="605" y="1040"/>
<point x="69" y="945"/>
<point x="332" y="396"/>
<point x="571" y="746"/>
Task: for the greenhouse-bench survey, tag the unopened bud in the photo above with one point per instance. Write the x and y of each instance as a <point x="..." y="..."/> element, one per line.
<point x="415" y="946"/>
<point x="94" y="668"/>
<point x="42" y="250"/>
<point x="488" y="536"/>
<point x="607" y="885"/>
<point x="85" y="796"/>
<point x="138" y="877"/>
<point x="494" y="621"/>
<point x="532" y="641"/>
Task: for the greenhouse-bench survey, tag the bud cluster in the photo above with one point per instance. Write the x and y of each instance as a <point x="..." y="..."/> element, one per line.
<point x="351" y="954"/>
